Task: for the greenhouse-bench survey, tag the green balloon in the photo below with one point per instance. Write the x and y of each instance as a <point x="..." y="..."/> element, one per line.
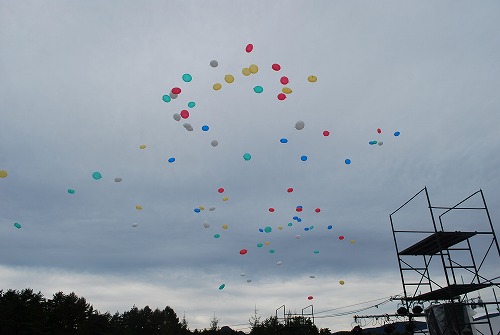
<point x="71" y="191"/>
<point x="272" y="251"/>
<point x="247" y="156"/>
<point x="191" y="104"/>
<point x="96" y="175"/>
<point x="268" y="229"/>
<point x="222" y="286"/>
<point x="187" y="77"/>
<point x="259" y="245"/>
<point x="166" y="98"/>
<point x="258" y="89"/>
<point x="17" y="225"/>
<point x="217" y="235"/>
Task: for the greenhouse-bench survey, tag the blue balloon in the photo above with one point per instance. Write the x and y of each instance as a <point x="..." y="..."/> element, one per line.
<point x="303" y="158"/>
<point x="284" y="140"/>
<point x="348" y="161"/>
<point x="171" y="160"/>
<point x="205" y="128"/>
<point x="330" y="226"/>
<point x="397" y="133"/>
<point x="197" y="210"/>
<point x="306" y="229"/>
<point x="261" y="230"/>
<point x="295" y="218"/>
<point x="299" y="220"/>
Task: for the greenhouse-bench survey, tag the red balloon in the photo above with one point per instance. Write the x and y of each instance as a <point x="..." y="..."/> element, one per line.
<point x="271" y="210"/>
<point x="310" y="297"/>
<point x="184" y="114"/>
<point x="290" y="190"/>
<point x="341" y="237"/>
<point x="220" y="190"/>
<point x="379" y="130"/>
<point x="249" y="48"/>
<point x="176" y="90"/>
<point x="317" y="210"/>
<point x="243" y="251"/>
<point x="276" y="67"/>
<point x="326" y="133"/>
<point x="281" y="96"/>
<point x="284" y="80"/>
<point x="298" y="209"/>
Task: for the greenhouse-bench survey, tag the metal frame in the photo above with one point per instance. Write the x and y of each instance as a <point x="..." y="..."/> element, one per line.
<point x="437" y="247"/>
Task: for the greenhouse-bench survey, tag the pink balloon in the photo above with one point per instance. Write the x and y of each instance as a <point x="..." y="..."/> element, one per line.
<point x="276" y="67"/>
<point x="310" y="297"/>
<point x="284" y="80"/>
<point x="326" y="133"/>
<point x="243" y="251"/>
<point x="379" y="130"/>
<point x="184" y="114"/>
<point x="176" y="90"/>
<point x="220" y="190"/>
<point x="317" y="210"/>
<point x="281" y="96"/>
<point x="249" y="48"/>
<point x="271" y="210"/>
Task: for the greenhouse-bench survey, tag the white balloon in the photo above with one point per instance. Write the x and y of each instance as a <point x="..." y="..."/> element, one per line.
<point x="135" y="224"/>
<point x="299" y="125"/>
<point x="117" y="180"/>
<point x="214" y="63"/>
<point x="177" y="117"/>
<point x="279" y="262"/>
<point x="312" y="276"/>
<point x="188" y="126"/>
<point x="214" y="143"/>
<point x="173" y="96"/>
<point x="380" y="143"/>
<point x="211" y="209"/>
<point x="249" y="280"/>
<point x="242" y="274"/>
<point x="206" y="224"/>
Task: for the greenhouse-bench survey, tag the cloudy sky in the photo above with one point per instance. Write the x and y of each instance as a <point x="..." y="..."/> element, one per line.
<point x="81" y="87"/>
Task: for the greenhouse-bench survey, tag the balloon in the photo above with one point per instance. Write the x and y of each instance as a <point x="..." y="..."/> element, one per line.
<point x="329" y="226"/>
<point x="242" y="274"/>
<point x="317" y="210"/>
<point x="267" y="243"/>
<point x="280" y="227"/>
<point x="341" y="282"/>
<point x="303" y="158"/>
<point x="249" y="48"/>
<point x="286" y="90"/>
<point x="261" y="230"/>
<point x="191" y="104"/>
<point x="176" y="90"/>
<point x="289" y="190"/>
<point x="225" y="199"/>
<point x="316" y="252"/>
<point x="197" y="210"/>
<point x="297" y="237"/>
<point x="71" y="191"/>
<point x="171" y="160"/>
<point x="247" y="156"/>
<point x="295" y="218"/>
<point x="379" y="130"/>
<point x="142" y="146"/>
<point x="312" y="276"/>
<point x="276" y="67"/>
<point x="281" y="96"/>
<point x="271" y="210"/>
<point x="279" y="262"/>
<point x="283" y="140"/>
<point x="299" y="220"/>
<point x="118" y="179"/>
<point x="306" y="229"/>
<point x="341" y="237"/>
<point x="298" y="209"/>
<point x="214" y="143"/>
<point x="249" y="280"/>
<point x="348" y="161"/>
<point x="138" y="207"/>
<point x="326" y="133"/>
<point x="202" y="208"/>
<point x="229" y="78"/>
<point x="205" y="128"/>
<point x="246" y="71"/>
<point x="225" y="226"/>
<point x="166" y="98"/>
<point x="3" y="174"/>
<point x="380" y="143"/>
<point x="188" y="126"/>
<point x="17" y="225"/>
<point x="187" y="77"/>
<point x="299" y="125"/>
<point x="258" y="89"/>
<point x="259" y="245"/>
<point x="352" y="241"/>
<point x="216" y="235"/>
<point x="214" y="63"/>
<point x="211" y="209"/>
<point x="253" y="69"/>
<point x="397" y="133"/>
<point x="206" y="224"/>
<point x="243" y="251"/>
<point x="173" y="96"/>
<point x="135" y="224"/>
<point x="284" y="80"/>
<point x="311" y="227"/>
<point x="312" y="79"/>
<point x="217" y="86"/>
<point x="96" y="175"/>
<point x="268" y="229"/>
<point x="220" y="190"/>
<point x="290" y="224"/>
<point x="177" y="117"/>
<point x="221" y="287"/>
<point x="184" y="114"/>
<point x="310" y="297"/>
<point x="271" y="251"/>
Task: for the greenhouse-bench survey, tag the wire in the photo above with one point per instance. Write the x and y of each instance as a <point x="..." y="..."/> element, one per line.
<point x="362" y="303"/>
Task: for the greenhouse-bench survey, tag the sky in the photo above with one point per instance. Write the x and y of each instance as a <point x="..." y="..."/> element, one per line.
<point x="81" y="90"/>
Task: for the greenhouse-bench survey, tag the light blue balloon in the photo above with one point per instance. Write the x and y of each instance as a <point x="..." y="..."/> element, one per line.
<point x="271" y="251"/>
<point x="191" y="104"/>
<point x="290" y="224"/>
<point x="96" y="175"/>
<point x="258" y="89"/>
<point x="166" y="98"/>
<point x="247" y="156"/>
<point x="268" y="229"/>
<point x="259" y="245"/>
<point x="187" y="77"/>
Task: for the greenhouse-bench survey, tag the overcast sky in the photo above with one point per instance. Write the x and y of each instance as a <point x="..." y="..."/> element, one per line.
<point x="81" y="87"/>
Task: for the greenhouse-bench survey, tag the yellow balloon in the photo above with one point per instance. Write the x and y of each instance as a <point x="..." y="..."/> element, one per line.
<point x="138" y="207"/>
<point x="225" y="226"/>
<point x="246" y="71"/>
<point x="312" y="79"/>
<point x="225" y="199"/>
<point x="201" y="208"/>
<point x="3" y="173"/>
<point x="341" y="282"/>
<point x="217" y="86"/>
<point x="353" y="241"/>
<point x="229" y="78"/>
<point x="253" y="68"/>
<point x="280" y="227"/>
<point x="286" y="90"/>
<point x="267" y="243"/>
<point x="143" y="146"/>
